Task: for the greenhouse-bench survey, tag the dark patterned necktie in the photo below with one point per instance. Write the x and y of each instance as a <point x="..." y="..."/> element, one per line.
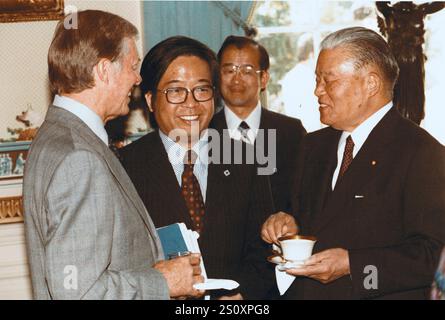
<point x="347" y="157"/>
<point x="191" y="192"/>
<point x="244" y="129"/>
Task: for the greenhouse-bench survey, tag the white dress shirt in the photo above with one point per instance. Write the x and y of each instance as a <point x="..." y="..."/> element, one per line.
<point x="88" y="116"/>
<point x="176" y="154"/>
<point x="253" y="121"/>
<point x="359" y="136"/>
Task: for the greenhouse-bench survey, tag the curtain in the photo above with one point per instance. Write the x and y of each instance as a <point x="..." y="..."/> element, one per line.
<point x="207" y="21"/>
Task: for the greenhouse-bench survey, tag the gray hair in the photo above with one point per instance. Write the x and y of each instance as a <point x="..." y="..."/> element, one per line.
<point x="365" y="47"/>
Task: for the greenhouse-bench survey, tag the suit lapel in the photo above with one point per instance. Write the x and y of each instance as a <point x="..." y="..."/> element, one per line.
<point x="222" y="188"/>
<point x="264" y="123"/>
<point x="161" y="174"/>
<point x="214" y="204"/>
<point x="219" y="121"/>
<point x="363" y="169"/>
<point x="321" y="173"/>
<point x="115" y="167"/>
<point x="218" y="178"/>
<point x="265" y="119"/>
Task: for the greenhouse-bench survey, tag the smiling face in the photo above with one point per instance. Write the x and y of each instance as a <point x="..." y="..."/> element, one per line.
<point x="342" y="91"/>
<point x="187" y="72"/>
<point x="241" y="93"/>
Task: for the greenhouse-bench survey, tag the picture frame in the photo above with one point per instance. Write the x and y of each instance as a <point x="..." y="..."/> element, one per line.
<point x="12" y="160"/>
<point x="30" y="10"/>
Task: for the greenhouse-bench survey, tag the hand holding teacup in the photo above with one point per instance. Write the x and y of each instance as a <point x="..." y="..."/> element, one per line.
<point x="278" y="225"/>
<point x="325" y="266"/>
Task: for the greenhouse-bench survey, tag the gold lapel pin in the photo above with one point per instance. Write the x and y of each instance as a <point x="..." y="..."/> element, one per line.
<point x="373" y="162"/>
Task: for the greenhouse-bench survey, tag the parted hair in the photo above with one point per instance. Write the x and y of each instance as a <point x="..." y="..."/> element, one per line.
<point x="74" y="52"/>
<point x="242" y="42"/>
<point x="365" y="47"/>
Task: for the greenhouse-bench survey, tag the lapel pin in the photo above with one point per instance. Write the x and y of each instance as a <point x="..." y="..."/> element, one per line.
<point x="226" y="173"/>
<point x="359" y="196"/>
<point x="373" y="162"/>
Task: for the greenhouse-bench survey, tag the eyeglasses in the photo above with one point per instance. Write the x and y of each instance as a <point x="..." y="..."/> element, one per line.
<point x="178" y="95"/>
<point x="246" y="70"/>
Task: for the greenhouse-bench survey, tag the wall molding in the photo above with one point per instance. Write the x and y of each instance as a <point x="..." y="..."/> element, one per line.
<point x="15" y="282"/>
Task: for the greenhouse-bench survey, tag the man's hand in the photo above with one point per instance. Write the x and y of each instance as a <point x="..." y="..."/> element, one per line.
<point x="181" y="274"/>
<point x="278" y="225"/>
<point x="325" y="266"/>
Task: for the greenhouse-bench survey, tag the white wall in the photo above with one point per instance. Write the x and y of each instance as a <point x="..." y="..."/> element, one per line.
<point x="14" y="272"/>
<point x="23" y="66"/>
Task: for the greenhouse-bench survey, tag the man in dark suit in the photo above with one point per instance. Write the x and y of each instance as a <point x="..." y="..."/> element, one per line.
<point x="371" y="187"/>
<point x="225" y="202"/>
<point x="244" y="73"/>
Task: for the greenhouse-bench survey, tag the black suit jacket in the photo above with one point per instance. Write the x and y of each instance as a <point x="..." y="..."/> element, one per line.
<point x="236" y="206"/>
<point x="289" y="134"/>
<point x="388" y="210"/>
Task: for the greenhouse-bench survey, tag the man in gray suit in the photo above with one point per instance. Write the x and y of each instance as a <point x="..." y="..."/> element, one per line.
<point x="88" y="233"/>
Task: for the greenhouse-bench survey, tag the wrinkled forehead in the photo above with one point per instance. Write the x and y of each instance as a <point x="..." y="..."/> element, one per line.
<point x="335" y="61"/>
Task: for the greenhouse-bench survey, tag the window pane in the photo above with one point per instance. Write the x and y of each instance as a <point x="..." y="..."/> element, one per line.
<point x="291" y="31"/>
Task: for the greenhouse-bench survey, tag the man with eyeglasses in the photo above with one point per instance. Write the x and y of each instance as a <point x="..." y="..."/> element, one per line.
<point x="244" y="65"/>
<point x="180" y="181"/>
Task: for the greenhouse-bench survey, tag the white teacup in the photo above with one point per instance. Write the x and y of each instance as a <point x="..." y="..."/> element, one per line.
<point x="297" y="248"/>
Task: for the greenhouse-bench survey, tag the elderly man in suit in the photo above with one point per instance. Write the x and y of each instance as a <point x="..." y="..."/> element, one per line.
<point x="88" y="233"/>
<point x="371" y="187"/>
<point x="180" y="175"/>
<point x="244" y="65"/>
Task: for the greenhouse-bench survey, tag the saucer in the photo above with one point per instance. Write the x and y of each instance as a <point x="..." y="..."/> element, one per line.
<point x="216" y="284"/>
<point x="276" y="258"/>
<point x="290" y="265"/>
<point x="283" y="264"/>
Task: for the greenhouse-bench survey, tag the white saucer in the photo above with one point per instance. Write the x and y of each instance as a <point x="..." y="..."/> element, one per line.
<point x="215" y="284"/>
<point x="290" y="265"/>
<point x="284" y="264"/>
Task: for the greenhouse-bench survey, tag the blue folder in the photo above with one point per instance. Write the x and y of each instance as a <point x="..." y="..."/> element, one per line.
<point x="172" y="239"/>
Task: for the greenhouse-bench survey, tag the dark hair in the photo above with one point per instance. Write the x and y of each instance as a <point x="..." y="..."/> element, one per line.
<point x="242" y="42"/>
<point x="365" y="47"/>
<point x="74" y="52"/>
<point x="164" y="53"/>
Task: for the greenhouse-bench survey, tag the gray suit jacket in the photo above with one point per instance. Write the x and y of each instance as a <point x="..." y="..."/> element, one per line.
<point x="88" y="233"/>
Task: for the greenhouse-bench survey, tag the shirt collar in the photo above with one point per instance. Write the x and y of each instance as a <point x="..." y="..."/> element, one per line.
<point x="253" y="120"/>
<point x="176" y="152"/>
<point x="84" y="113"/>
<point x="361" y="133"/>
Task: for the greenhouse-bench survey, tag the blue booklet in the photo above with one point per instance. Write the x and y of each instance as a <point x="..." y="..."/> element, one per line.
<point x="172" y="239"/>
<point x="176" y="238"/>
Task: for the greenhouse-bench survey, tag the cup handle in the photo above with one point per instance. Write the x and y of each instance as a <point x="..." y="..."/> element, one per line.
<point x="276" y="248"/>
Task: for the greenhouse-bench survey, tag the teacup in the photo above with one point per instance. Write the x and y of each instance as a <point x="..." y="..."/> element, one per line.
<point x="297" y="248"/>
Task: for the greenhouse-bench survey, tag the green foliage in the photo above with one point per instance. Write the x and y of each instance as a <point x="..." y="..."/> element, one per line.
<point x="282" y="50"/>
<point x="282" y="47"/>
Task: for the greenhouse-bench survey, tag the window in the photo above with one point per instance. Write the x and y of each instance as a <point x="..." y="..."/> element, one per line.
<point x="292" y="31"/>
